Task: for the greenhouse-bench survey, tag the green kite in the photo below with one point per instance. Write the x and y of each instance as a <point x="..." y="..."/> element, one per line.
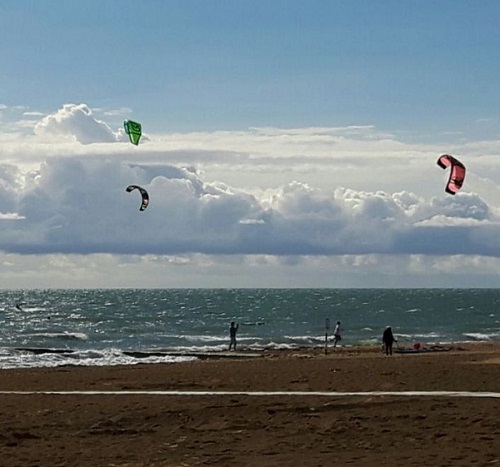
<point x="133" y="130"/>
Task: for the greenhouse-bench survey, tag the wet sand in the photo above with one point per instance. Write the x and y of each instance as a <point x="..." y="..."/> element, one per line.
<point x="267" y="430"/>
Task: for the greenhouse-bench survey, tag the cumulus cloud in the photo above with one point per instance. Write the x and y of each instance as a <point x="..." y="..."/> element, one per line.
<point x="348" y="198"/>
<point x="79" y="205"/>
<point x="358" y="157"/>
<point x="76" y="121"/>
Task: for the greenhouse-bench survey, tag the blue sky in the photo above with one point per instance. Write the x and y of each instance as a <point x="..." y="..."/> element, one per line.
<point x="181" y="65"/>
<point x="287" y="143"/>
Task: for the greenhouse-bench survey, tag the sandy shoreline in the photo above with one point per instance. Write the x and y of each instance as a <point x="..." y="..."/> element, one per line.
<point x="220" y="430"/>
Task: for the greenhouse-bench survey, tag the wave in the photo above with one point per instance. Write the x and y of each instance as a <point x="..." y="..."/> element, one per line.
<point x="48" y="358"/>
<point x="65" y="335"/>
<point x="477" y="336"/>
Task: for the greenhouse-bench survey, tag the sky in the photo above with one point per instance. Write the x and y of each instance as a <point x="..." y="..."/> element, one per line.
<point x="286" y="143"/>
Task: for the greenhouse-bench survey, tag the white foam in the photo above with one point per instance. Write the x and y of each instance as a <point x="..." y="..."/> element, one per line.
<point x="90" y="357"/>
<point x="478" y="336"/>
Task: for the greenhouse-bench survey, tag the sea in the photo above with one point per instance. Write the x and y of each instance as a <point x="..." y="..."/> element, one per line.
<point x="98" y="327"/>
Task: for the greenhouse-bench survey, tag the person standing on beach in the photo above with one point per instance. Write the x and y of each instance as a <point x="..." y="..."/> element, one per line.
<point x="388" y="339"/>
<point x="232" y="335"/>
<point x="336" y="334"/>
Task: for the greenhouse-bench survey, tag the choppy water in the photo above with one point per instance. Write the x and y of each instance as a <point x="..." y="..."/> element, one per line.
<point x="95" y="327"/>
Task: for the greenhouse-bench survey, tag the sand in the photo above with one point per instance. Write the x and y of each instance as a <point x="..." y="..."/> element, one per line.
<point x="269" y="430"/>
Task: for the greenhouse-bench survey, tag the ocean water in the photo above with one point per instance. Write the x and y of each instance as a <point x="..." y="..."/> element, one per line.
<point x="109" y="327"/>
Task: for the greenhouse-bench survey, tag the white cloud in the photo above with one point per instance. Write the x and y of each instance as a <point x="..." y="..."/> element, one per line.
<point x="79" y="205"/>
<point x="120" y="112"/>
<point x="75" y="121"/>
<point x="34" y="114"/>
<point x="266" y="199"/>
<point x="14" y="216"/>
<point x="197" y="270"/>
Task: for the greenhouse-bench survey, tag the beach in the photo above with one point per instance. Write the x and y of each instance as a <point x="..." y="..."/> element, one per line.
<point x="175" y="414"/>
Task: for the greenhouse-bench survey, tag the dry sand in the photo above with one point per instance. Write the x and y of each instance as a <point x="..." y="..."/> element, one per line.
<point x="229" y="430"/>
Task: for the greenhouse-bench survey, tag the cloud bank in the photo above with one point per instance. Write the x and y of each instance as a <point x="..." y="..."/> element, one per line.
<point x="352" y="199"/>
<point x="79" y="205"/>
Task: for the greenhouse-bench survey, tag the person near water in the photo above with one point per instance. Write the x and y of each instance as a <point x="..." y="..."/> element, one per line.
<point x="232" y="335"/>
<point x="336" y="334"/>
<point x="388" y="340"/>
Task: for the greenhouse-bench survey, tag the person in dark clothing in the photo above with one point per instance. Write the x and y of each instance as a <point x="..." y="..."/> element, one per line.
<point x="232" y="335"/>
<point x="388" y="339"/>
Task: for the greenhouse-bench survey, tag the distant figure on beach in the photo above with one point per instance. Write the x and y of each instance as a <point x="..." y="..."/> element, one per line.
<point x="388" y="339"/>
<point x="336" y="334"/>
<point x="232" y="335"/>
